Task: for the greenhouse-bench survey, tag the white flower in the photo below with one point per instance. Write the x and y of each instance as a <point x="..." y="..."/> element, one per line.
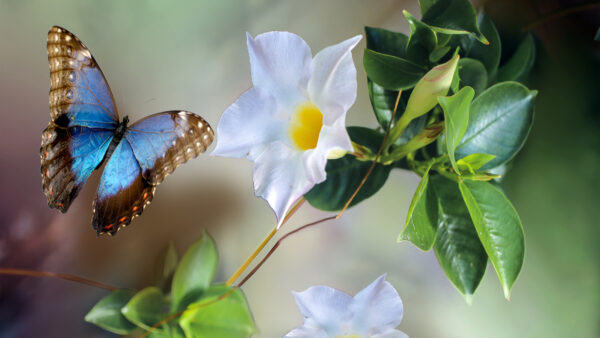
<point x="293" y="118"/>
<point x="373" y="312"/>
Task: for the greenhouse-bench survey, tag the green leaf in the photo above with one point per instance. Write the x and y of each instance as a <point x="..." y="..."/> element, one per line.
<point x="453" y="17"/>
<point x="457" y="246"/>
<point x="473" y="162"/>
<point x="390" y="71"/>
<point x="164" y="267"/>
<point x="489" y="55"/>
<point x="420" y="227"/>
<point x="195" y="272"/>
<point x="386" y="42"/>
<point x="425" y="5"/>
<point x="345" y="174"/>
<point x="107" y="313"/>
<point x="520" y="63"/>
<point x="456" y="119"/>
<point x="218" y="315"/>
<point x="146" y="308"/>
<point x="499" y="122"/>
<point x="498" y="227"/>
<point x="383" y="101"/>
<point x="472" y="74"/>
<point x="597" y="37"/>
<point x="422" y="41"/>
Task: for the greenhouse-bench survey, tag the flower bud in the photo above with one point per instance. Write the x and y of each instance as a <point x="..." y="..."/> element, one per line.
<point x="435" y="83"/>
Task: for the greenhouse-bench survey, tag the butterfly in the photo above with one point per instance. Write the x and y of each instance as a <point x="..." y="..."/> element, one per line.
<point x="85" y="131"/>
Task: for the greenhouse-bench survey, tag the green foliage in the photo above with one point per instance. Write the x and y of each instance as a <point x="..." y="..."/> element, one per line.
<point x="194" y="273"/>
<point x="499" y="122"/>
<point x="488" y="55"/>
<point x="456" y="119"/>
<point x="194" y="308"/>
<point x="456" y="143"/>
<point x="472" y="73"/>
<point x="498" y="227"/>
<point x="457" y="247"/>
<point x="345" y="174"/>
<point x="222" y="313"/>
<point x="107" y="312"/>
<point x="422" y="41"/>
<point x="453" y="17"/>
<point x="420" y="225"/>
<point x="520" y="63"/>
<point x="391" y="71"/>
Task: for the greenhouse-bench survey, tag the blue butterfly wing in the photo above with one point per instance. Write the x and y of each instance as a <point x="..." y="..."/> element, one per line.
<point x="163" y="141"/>
<point x="150" y="150"/>
<point x="83" y="119"/>
<point x="123" y="192"/>
<point x="78" y="89"/>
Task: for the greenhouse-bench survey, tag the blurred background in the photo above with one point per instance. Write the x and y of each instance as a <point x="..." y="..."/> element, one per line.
<point x="160" y="55"/>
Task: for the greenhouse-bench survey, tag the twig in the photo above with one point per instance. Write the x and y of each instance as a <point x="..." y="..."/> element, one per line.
<point x="560" y="13"/>
<point x="64" y="276"/>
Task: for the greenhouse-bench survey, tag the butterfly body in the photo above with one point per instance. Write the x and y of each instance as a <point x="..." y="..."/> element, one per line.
<point x="85" y="132"/>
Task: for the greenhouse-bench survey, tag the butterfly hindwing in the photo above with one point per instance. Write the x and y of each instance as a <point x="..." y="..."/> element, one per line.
<point x="83" y="118"/>
<point x="69" y="155"/>
<point x="163" y="141"/>
<point x="123" y="192"/>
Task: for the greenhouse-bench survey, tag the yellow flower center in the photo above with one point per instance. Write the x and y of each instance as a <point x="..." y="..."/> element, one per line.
<point x="306" y="125"/>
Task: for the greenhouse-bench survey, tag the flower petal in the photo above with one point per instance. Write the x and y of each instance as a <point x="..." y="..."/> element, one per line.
<point x="391" y="334"/>
<point x="331" y="138"/>
<point x="324" y="307"/>
<point x="377" y="308"/>
<point x="306" y="332"/>
<point x="248" y="125"/>
<point x="280" y="178"/>
<point x="280" y="65"/>
<point x="333" y="79"/>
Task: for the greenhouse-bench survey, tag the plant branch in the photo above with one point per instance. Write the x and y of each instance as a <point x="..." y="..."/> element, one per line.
<point x="560" y="13"/>
<point x="63" y="276"/>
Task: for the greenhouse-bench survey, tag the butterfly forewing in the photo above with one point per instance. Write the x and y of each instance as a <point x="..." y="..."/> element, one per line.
<point x="77" y="86"/>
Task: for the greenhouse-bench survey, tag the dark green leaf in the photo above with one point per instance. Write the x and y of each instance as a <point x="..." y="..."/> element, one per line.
<point x="489" y="55"/>
<point x="520" y="63"/>
<point x="472" y="74"/>
<point x="499" y="122"/>
<point x="597" y="37"/>
<point x="195" y="272"/>
<point x="386" y="42"/>
<point x="390" y="71"/>
<point x="425" y="5"/>
<point x="456" y="119"/>
<point x="107" y="313"/>
<point x="498" y="227"/>
<point x="383" y="101"/>
<point x="146" y="308"/>
<point x="219" y="314"/>
<point x="164" y="266"/>
<point x="420" y="227"/>
<point x="421" y="43"/>
<point x="345" y="174"/>
<point x="453" y="17"/>
<point x="457" y="246"/>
